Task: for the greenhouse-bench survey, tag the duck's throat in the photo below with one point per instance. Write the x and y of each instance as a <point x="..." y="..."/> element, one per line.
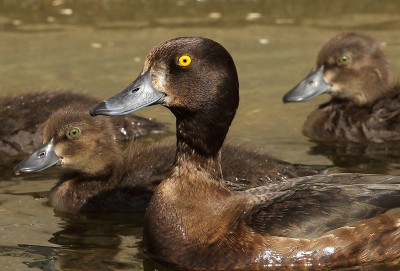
<point x="201" y="134"/>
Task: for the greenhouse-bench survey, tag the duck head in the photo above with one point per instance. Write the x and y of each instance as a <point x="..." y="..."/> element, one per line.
<point x="71" y="137"/>
<point x="196" y="79"/>
<point x="350" y="66"/>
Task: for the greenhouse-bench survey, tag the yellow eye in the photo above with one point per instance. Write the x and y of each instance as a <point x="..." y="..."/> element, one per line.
<point x="344" y="59"/>
<point x="74" y="133"/>
<point x="185" y="60"/>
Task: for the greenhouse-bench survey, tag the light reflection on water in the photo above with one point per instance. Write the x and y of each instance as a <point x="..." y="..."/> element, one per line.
<point x="99" y="47"/>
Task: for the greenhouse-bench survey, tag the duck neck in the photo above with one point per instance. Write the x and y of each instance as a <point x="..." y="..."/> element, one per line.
<point x="194" y="190"/>
<point x="199" y="140"/>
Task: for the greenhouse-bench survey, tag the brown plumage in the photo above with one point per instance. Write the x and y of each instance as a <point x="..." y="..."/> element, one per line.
<point x="365" y="104"/>
<point x="106" y="177"/>
<point x="195" y="222"/>
<point x="22" y="117"/>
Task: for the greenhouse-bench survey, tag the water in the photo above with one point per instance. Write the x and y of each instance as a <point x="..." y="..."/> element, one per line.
<point x="99" y="47"/>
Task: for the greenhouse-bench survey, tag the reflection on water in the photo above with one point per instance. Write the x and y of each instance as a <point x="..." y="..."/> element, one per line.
<point x="90" y="242"/>
<point x="99" y="46"/>
<point x="372" y="158"/>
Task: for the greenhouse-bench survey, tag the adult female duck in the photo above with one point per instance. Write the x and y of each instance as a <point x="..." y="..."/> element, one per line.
<point x="365" y="102"/>
<point x="107" y="178"/>
<point x="193" y="221"/>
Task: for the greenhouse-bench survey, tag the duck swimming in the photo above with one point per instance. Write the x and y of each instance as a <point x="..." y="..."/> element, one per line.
<point x="105" y="177"/>
<point x="195" y="222"/>
<point x="24" y="114"/>
<point x="365" y="103"/>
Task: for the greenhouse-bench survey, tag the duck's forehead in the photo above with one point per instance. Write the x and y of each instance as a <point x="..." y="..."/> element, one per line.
<point x="353" y="44"/>
<point x="330" y="53"/>
<point x="152" y="57"/>
<point x="171" y="48"/>
<point x="160" y="53"/>
<point x="58" y="123"/>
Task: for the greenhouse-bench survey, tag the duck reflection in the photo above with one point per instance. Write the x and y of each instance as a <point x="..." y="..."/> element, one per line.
<point x="91" y="242"/>
<point x="370" y="158"/>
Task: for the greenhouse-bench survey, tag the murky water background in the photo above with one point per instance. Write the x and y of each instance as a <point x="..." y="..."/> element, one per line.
<point x="98" y="46"/>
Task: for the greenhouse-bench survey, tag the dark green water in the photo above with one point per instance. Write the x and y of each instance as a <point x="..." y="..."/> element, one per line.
<point x="99" y="47"/>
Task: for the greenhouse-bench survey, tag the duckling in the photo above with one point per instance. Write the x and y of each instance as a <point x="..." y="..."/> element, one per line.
<point x="365" y="103"/>
<point x="106" y="178"/>
<point x="22" y="116"/>
<point x="195" y="222"/>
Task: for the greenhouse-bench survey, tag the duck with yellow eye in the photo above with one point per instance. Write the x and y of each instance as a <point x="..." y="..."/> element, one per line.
<point x="194" y="222"/>
<point x="364" y="107"/>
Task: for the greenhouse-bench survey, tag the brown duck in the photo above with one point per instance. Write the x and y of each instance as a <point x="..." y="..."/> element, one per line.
<point x="22" y="117"/>
<point x="105" y="177"/>
<point x="365" y="104"/>
<point x="195" y="222"/>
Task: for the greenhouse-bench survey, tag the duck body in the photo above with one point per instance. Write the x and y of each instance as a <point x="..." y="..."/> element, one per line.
<point x="301" y="224"/>
<point x="195" y="222"/>
<point x="338" y="121"/>
<point x="24" y="114"/>
<point x="365" y="103"/>
<point x="106" y="176"/>
<point x="119" y="188"/>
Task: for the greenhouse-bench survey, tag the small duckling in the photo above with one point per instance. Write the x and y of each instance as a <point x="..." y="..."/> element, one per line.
<point x="365" y="103"/>
<point x="23" y="115"/>
<point x="194" y="222"/>
<point x="106" y="178"/>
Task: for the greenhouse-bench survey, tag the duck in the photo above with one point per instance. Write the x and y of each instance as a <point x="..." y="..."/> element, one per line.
<point x="23" y="116"/>
<point x="103" y="175"/>
<point x="194" y="222"/>
<point x="364" y="108"/>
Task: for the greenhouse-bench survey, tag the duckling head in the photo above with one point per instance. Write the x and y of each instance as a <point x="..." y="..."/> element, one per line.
<point x="350" y="66"/>
<point x="74" y="139"/>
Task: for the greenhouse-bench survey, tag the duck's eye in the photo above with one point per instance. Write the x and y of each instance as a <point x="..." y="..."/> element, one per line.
<point x="344" y="59"/>
<point x="185" y="60"/>
<point x="74" y="133"/>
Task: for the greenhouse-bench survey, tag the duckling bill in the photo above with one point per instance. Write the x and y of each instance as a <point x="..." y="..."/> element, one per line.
<point x="194" y="222"/>
<point x="311" y="86"/>
<point x="364" y="107"/>
<point x="44" y="157"/>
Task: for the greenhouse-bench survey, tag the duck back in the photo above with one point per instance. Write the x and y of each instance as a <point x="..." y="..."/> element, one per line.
<point x="339" y="121"/>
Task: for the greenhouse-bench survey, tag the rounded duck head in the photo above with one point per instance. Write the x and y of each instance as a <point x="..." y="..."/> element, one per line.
<point x="194" y="222"/>
<point x="351" y="67"/>
<point x="81" y="142"/>
<point x="196" y="92"/>
<point x="202" y="73"/>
